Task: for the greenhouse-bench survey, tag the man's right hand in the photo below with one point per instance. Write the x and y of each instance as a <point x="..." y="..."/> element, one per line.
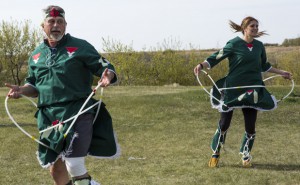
<point x="14" y="92"/>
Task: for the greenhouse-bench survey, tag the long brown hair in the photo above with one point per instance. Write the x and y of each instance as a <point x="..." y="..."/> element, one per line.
<point x="246" y="21"/>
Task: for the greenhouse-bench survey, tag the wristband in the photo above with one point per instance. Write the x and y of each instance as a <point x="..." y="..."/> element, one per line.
<point x="201" y="66"/>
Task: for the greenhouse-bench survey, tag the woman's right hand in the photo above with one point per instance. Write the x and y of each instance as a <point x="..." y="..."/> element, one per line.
<point x="197" y="69"/>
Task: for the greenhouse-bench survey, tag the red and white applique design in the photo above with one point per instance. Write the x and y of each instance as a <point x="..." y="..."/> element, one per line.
<point x="71" y="50"/>
<point x="250" y="46"/>
<point x="249" y="92"/>
<point x="36" y="57"/>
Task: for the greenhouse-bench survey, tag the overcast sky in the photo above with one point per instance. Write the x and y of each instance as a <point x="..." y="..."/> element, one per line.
<point x="145" y="24"/>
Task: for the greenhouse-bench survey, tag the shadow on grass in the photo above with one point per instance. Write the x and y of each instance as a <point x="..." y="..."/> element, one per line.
<point x="274" y="167"/>
<point x="278" y="167"/>
<point x="21" y="124"/>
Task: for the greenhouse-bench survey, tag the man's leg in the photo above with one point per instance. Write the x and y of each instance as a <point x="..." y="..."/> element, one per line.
<point x="75" y="158"/>
<point x="59" y="173"/>
<point x="76" y="167"/>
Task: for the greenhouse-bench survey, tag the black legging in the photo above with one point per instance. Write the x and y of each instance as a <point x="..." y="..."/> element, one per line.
<point x="250" y="116"/>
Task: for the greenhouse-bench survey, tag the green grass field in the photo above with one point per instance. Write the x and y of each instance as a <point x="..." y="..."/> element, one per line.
<point x="164" y="134"/>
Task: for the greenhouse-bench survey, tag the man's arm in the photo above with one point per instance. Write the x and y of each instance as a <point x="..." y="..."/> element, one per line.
<point x="16" y="91"/>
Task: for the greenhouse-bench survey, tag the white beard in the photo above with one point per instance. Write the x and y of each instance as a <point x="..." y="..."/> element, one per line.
<point x="51" y="37"/>
<point x="56" y="39"/>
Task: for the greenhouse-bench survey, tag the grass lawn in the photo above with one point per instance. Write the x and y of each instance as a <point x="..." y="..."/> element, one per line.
<point x="165" y="134"/>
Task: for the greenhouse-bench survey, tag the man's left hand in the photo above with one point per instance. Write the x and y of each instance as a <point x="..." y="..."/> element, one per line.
<point x="107" y="76"/>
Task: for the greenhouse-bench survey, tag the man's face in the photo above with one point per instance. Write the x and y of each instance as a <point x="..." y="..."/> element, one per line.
<point x="55" y="27"/>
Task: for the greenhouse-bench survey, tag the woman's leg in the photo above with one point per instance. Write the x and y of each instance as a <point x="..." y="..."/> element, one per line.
<point x="220" y="134"/>
<point x="225" y="120"/>
<point x="250" y="116"/>
<point x="219" y="137"/>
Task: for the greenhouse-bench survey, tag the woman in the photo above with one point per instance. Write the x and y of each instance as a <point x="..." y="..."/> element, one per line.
<point x="247" y="59"/>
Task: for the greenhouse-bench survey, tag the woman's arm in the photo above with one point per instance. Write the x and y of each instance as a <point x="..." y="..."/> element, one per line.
<point x="284" y="74"/>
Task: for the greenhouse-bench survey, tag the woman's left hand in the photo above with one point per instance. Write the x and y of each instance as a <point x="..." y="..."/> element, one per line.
<point x="287" y="75"/>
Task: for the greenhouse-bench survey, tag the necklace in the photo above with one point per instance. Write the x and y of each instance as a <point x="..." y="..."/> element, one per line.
<point x="50" y="58"/>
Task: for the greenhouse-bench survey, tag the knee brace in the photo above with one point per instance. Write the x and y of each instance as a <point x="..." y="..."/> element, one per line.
<point x="75" y="166"/>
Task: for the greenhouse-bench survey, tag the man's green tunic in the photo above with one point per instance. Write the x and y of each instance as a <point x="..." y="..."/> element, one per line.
<point x="63" y="77"/>
<point x="247" y="61"/>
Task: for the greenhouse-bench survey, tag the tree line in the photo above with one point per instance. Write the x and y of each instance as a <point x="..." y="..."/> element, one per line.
<point x="17" y="41"/>
<point x="164" y="65"/>
<point x="291" y="42"/>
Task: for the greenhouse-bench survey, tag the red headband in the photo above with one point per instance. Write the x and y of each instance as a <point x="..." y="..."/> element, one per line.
<point x="55" y="13"/>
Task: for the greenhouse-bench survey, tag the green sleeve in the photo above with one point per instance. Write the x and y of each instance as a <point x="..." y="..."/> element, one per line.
<point x="220" y="55"/>
<point x="96" y="63"/>
<point x="265" y="66"/>
<point x="106" y="64"/>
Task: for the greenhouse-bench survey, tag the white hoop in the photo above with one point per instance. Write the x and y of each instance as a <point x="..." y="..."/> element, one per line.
<point x="74" y="118"/>
<point x="239" y="87"/>
<point x="197" y="76"/>
<point x="13" y="120"/>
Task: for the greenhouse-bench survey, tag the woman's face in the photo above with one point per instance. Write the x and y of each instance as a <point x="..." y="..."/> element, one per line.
<point x="252" y="29"/>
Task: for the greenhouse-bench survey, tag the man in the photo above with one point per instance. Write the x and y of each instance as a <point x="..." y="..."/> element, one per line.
<point x="60" y="74"/>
